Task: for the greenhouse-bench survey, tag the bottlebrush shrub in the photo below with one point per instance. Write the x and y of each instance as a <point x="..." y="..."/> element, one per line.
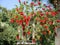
<point x="37" y="21"/>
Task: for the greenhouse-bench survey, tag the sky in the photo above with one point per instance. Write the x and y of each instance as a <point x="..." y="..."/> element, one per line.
<point x="9" y="4"/>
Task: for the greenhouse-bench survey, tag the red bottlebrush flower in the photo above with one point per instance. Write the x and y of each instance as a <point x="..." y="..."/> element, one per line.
<point x="39" y="2"/>
<point x="43" y="8"/>
<point x="28" y="32"/>
<point x="24" y="17"/>
<point x="21" y="13"/>
<point x="20" y="22"/>
<point x="17" y="21"/>
<point x="32" y="3"/>
<point x="50" y="22"/>
<point x="27" y="23"/>
<point x="19" y="1"/>
<point x="47" y="13"/>
<point x="35" y="4"/>
<point x="17" y="37"/>
<point x="58" y="21"/>
<point x="37" y="19"/>
<point x="12" y="20"/>
<point x="53" y="13"/>
<point x="16" y="16"/>
<point x="23" y="27"/>
<point x="28" y="18"/>
<point x="41" y="14"/>
<point x="46" y="18"/>
<point x="46" y="27"/>
<point x="42" y="21"/>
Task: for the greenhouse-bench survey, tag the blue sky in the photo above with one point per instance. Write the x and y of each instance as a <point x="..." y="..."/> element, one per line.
<point x="9" y="4"/>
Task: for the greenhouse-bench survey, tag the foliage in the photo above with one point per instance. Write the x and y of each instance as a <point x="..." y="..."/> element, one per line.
<point x="8" y="35"/>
